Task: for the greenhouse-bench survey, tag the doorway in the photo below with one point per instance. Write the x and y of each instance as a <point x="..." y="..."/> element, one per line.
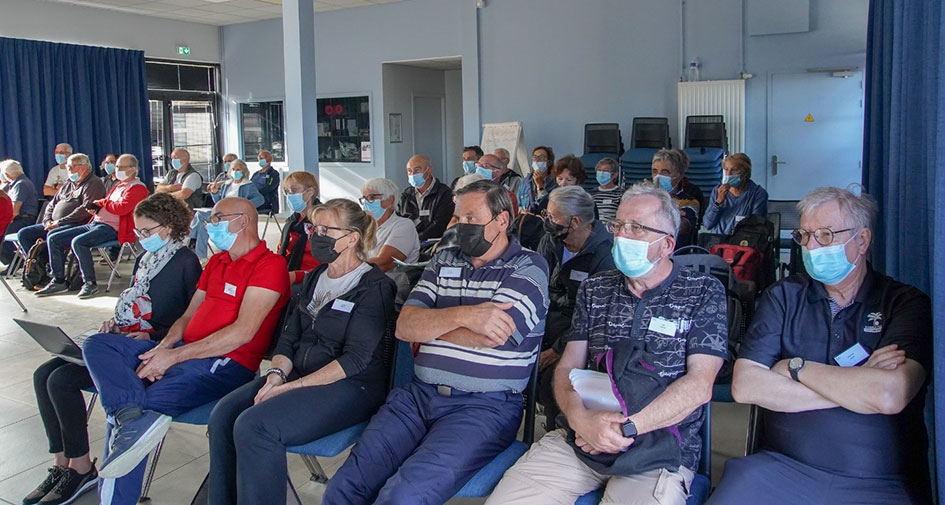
<point x="429" y="130"/>
<point x="815" y="132"/>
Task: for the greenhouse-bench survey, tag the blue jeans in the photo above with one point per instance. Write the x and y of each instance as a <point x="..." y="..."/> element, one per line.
<point x="198" y="232"/>
<point x="80" y="239"/>
<point x="28" y="235"/>
<point x="112" y="361"/>
<point x="421" y="447"/>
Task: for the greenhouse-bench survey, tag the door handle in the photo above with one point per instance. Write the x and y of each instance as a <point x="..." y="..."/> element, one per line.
<point x="775" y="163"/>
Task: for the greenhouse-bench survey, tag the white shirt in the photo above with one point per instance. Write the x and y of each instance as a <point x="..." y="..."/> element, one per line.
<point x="234" y="189"/>
<point x="57" y="175"/>
<point x="327" y="289"/>
<point x="191" y="182"/>
<point x="399" y="233"/>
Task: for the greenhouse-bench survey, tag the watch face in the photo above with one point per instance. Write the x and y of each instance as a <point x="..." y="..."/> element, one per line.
<point x="795" y="363"/>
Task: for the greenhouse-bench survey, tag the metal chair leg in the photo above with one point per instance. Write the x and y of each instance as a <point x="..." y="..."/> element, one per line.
<point x="88" y="411"/>
<point x="13" y="294"/>
<point x="150" y="476"/>
<point x="114" y="264"/>
<point x="314" y="468"/>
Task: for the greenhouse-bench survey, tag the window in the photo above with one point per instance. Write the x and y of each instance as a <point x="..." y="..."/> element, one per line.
<point x="344" y="129"/>
<point x="262" y="127"/>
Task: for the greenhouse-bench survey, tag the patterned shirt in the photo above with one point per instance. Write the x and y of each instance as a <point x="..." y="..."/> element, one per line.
<point x="607" y="201"/>
<point x="519" y="276"/>
<point x="685" y="315"/>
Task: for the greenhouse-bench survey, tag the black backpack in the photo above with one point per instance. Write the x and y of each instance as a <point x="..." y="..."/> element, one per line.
<point x="73" y="274"/>
<point x="36" y="270"/>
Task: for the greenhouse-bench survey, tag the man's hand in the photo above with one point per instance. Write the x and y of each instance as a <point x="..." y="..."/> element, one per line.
<point x="50" y="225"/>
<point x="600" y="431"/>
<point x="155" y="363"/>
<point x="214" y="187"/>
<point x="139" y="335"/>
<point x="491" y="320"/>
<point x="721" y="193"/>
<point x="547" y="358"/>
<point x="272" y="381"/>
<point x="886" y="358"/>
<point x="781" y="368"/>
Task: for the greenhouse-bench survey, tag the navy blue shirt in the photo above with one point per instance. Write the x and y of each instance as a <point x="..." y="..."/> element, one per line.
<point x="23" y="190"/>
<point x="171" y="289"/>
<point x="794" y="319"/>
<point x="722" y="218"/>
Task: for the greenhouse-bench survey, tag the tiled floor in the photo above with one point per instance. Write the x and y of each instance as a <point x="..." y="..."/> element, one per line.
<point x="184" y="460"/>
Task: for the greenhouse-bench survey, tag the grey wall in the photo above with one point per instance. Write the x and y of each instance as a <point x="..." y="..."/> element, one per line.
<point x="454" y="123"/>
<point x="157" y="37"/>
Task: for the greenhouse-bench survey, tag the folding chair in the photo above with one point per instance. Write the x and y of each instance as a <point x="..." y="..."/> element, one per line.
<point x="113" y="265"/>
<point x="20" y="254"/>
<point x="13" y="294"/>
<point x="271" y="216"/>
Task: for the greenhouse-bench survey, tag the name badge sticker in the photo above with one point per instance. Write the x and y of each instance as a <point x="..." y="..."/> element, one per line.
<point x="342" y="305"/>
<point x="664" y="326"/>
<point x="229" y="289"/>
<point x="607" y="202"/>
<point x="424" y="212"/>
<point x="451" y="272"/>
<point x="852" y="356"/>
<point x="578" y="276"/>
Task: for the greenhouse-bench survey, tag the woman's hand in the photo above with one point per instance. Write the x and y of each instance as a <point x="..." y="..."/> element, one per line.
<point x="273" y="381"/>
<point x="108" y="326"/>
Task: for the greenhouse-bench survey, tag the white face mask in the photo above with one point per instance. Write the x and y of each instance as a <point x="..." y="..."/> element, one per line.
<point x="121" y="175"/>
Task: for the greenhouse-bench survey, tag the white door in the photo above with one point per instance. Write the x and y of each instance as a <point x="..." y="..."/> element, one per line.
<point x="815" y="133"/>
<point x="429" y="132"/>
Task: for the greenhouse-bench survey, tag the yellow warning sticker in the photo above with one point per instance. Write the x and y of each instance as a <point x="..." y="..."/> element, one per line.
<point x="809" y="118"/>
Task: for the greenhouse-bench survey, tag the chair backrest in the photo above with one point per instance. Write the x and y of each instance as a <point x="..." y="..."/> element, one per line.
<point x="705" y="432"/>
<point x="787" y="209"/>
<point x="635" y="165"/>
<point x="706" y="263"/>
<point x="43" y="203"/>
<point x="602" y="138"/>
<point x="401" y="370"/>
<point x="650" y="132"/>
<point x="530" y="398"/>
<point x="706" y="131"/>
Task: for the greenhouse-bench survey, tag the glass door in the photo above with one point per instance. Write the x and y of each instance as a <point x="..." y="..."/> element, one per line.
<point x="158" y="134"/>
<point x="194" y="128"/>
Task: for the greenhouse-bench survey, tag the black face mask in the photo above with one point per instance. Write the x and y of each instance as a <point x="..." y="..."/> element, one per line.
<point x="555" y="230"/>
<point x="323" y="248"/>
<point x="471" y="238"/>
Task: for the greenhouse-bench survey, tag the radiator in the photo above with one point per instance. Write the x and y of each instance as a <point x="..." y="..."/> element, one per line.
<point x="703" y="98"/>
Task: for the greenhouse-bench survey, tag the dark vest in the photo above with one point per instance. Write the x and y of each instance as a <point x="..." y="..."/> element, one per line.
<point x="196" y="199"/>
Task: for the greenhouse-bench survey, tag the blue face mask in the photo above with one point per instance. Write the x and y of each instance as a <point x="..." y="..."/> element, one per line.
<point x="296" y="201"/>
<point x="375" y="208"/>
<point x="469" y="167"/>
<point x="732" y="180"/>
<point x="176" y="163"/>
<point x="663" y="181"/>
<point x="109" y="168"/>
<point x="74" y="177"/>
<point x="630" y="256"/>
<point x="227" y="165"/>
<point x="263" y="163"/>
<point x="603" y="178"/>
<point x="237" y="175"/>
<point x="540" y="166"/>
<point x="61" y="158"/>
<point x="154" y="243"/>
<point x="416" y="180"/>
<point x="485" y="172"/>
<point x="221" y="236"/>
<point x="828" y="265"/>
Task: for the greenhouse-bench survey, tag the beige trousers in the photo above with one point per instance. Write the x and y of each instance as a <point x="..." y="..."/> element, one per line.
<point x="550" y="473"/>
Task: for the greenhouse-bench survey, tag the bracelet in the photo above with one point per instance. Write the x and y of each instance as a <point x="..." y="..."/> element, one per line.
<point x="277" y="371"/>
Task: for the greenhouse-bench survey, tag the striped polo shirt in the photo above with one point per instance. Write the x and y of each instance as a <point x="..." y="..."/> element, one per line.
<point x="519" y="276"/>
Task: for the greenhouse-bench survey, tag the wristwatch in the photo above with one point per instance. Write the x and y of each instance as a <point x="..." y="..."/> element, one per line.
<point x="629" y="429"/>
<point x="794" y="366"/>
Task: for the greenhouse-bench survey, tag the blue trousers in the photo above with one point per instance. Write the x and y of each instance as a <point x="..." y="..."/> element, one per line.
<point x="112" y="361"/>
<point x="27" y="236"/>
<point x="6" y="248"/>
<point x="421" y="448"/>
<point x="81" y="239"/>
<point x="775" y="479"/>
<point x="198" y="232"/>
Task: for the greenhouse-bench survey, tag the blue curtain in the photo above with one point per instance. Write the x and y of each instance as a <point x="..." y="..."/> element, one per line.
<point x="904" y="157"/>
<point x="95" y="98"/>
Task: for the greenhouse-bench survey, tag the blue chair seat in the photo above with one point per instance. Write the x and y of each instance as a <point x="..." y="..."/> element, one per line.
<point x="198" y="416"/>
<point x="331" y="445"/>
<point x="699" y="493"/>
<point x="485" y="480"/>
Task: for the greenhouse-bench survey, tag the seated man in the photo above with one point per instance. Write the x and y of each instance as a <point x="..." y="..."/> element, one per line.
<point x="183" y="181"/>
<point x="669" y="173"/>
<point x="396" y="236"/>
<point x="57" y="174"/>
<point x="266" y="180"/>
<point x="215" y="347"/>
<point x="237" y="185"/>
<point x="25" y="201"/>
<point x="838" y="360"/>
<point x="427" y="202"/>
<point x="648" y="452"/>
<point x="477" y="347"/>
<point x="107" y="172"/>
<point x="471" y="155"/>
<point x="70" y="205"/>
<point x="112" y="221"/>
<point x="508" y="178"/>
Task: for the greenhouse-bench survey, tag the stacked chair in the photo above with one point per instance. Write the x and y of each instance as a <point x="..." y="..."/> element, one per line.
<point x="705" y="167"/>
<point x="601" y="140"/>
<point x="706" y="131"/>
<point x="650" y="132"/>
<point x="635" y="164"/>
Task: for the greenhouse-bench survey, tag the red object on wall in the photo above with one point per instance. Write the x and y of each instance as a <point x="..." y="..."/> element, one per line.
<point x="329" y="110"/>
<point x="339" y="110"/>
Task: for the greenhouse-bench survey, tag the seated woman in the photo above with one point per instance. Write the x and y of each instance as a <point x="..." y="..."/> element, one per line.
<point x="567" y="171"/>
<point x="736" y="198"/>
<point x="609" y="190"/>
<point x="164" y="280"/>
<point x="238" y="184"/>
<point x="327" y="372"/>
<point x="576" y="246"/>
<point x="301" y="191"/>
<point x="397" y="237"/>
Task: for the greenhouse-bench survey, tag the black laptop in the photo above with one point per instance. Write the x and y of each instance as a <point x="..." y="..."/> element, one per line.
<point x="56" y="341"/>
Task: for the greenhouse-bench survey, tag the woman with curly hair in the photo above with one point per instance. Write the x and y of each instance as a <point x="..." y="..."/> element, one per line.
<point x="164" y="279"/>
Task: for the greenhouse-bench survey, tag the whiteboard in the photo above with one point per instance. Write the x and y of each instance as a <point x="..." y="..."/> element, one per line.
<point x="509" y="136"/>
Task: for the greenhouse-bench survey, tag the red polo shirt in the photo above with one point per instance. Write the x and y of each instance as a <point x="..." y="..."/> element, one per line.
<point x="225" y="281"/>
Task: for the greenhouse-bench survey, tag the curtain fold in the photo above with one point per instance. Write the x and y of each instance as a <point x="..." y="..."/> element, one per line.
<point x="95" y="98"/>
<point x="904" y="163"/>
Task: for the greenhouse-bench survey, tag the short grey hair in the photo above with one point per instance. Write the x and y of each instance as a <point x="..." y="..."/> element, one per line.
<point x="11" y="167"/>
<point x="859" y="210"/>
<point x="227" y="155"/>
<point x="497" y="197"/>
<point x="66" y="145"/>
<point x="468" y="179"/>
<point x="79" y="159"/>
<point x="384" y="187"/>
<point x="613" y="165"/>
<point x="676" y="157"/>
<point x="574" y="201"/>
<point x="240" y="162"/>
<point x="668" y="211"/>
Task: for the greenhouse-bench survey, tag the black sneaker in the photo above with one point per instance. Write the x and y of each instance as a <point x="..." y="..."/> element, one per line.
<point x="52" y="478"/>
<point x="88" y="290"/>
<point x="71" y="486"/>
<point x="52" y="288"/>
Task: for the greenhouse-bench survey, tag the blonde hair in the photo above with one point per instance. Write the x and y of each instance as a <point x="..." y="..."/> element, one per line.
<point x="740" y="162"/>
<point x="302" y="177"/>
<point x="351" y="216"/>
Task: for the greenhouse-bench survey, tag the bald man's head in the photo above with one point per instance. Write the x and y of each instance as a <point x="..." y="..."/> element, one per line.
<point x="503" y="155"/>
<point x="241" y="214"/>
<point x="419" y="165"/>
<point x="419" y="160"/>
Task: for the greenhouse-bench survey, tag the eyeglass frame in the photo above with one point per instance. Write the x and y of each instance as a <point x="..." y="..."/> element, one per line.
<point x="215" y="219"/>
<point x="146" y="232"/>
<point x="373" y="197"/>
<point x="315" y="227"/>
<point x="612" y="227"/>
<point x="797" y="231"/>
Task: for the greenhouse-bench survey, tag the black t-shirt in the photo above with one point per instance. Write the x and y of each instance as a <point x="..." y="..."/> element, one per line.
<point x="171" y="289"/>
<point x="794" y="319"/>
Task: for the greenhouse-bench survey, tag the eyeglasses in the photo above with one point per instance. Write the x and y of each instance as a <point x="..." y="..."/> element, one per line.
<point x="216" y="218"/>
<point x="320" y="229"/>
<point x="823" y="236"/>
<point x="631" y="228"/>
<point x="539" y="157"/>
<point x="371" y="198"/>
<point x="487" y="167"/>
<point x="146" y="232"/>
<point x="545" y="215"/>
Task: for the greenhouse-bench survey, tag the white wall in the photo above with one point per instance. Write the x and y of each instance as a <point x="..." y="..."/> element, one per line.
<point x="400" y="84"/>
<point x="453" y="81"/>
<point x="59" y="22"/>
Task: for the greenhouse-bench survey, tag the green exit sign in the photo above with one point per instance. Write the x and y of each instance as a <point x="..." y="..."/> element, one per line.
<point x="183" y="50"/>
